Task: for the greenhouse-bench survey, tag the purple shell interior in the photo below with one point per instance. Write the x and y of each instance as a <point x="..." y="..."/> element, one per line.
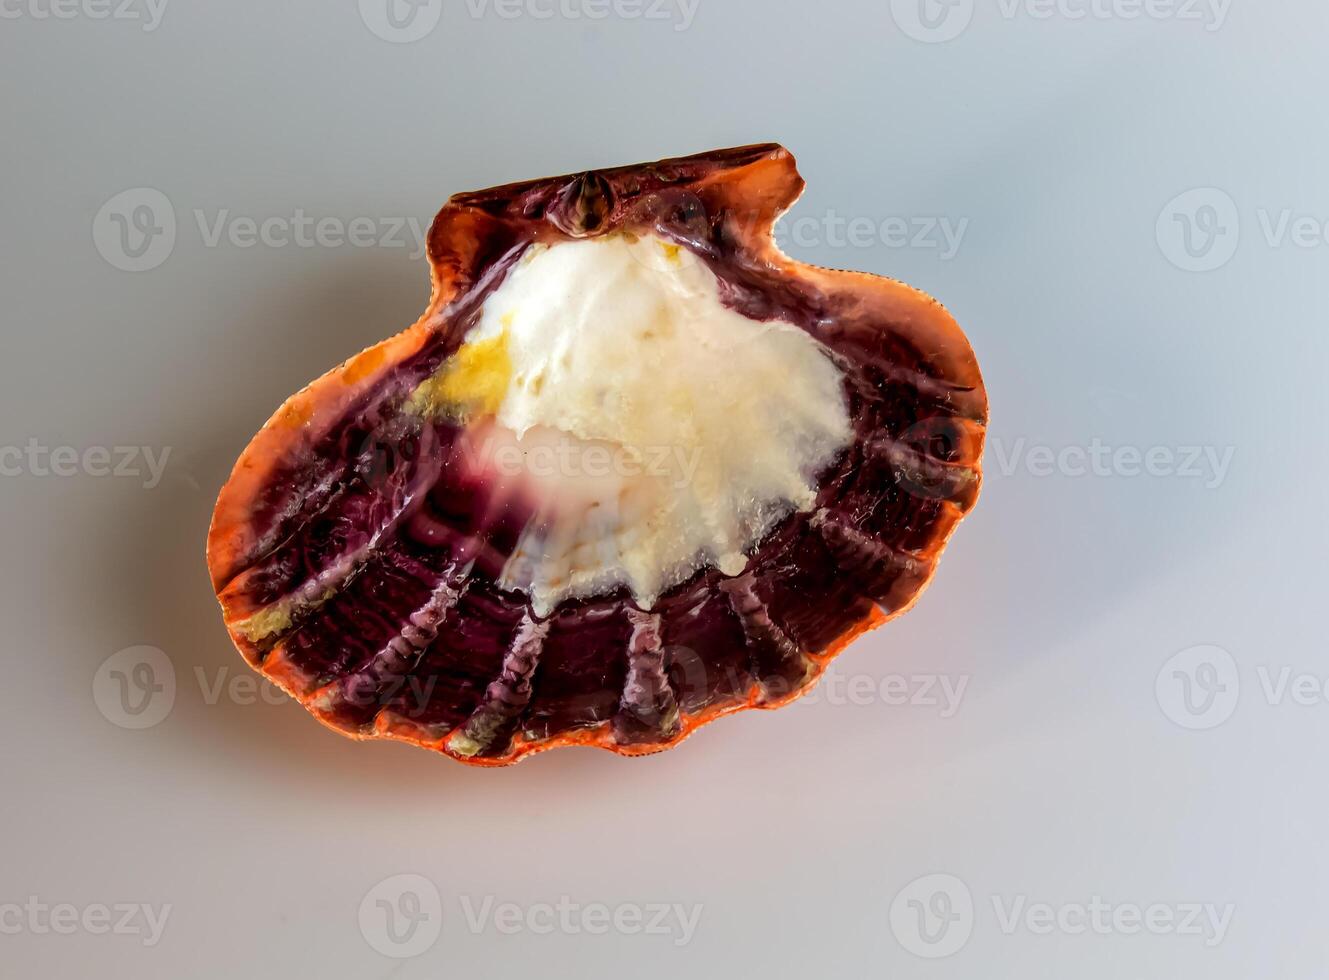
<point x="387" y="553"/>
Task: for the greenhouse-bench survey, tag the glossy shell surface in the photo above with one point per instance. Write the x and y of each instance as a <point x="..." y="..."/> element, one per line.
<point x="357" y="562"/>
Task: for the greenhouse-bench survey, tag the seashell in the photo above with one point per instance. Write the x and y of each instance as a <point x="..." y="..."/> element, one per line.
<point x="634" y="469"/>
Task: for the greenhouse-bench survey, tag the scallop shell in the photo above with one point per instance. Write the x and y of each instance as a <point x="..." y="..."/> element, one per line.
<point x="359" y="562"/>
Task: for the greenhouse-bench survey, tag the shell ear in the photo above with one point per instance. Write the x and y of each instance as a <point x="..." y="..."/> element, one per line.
<point x="755" y="191"/>
<point x="463" y="241"/>
<point x="728" y="200"/>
